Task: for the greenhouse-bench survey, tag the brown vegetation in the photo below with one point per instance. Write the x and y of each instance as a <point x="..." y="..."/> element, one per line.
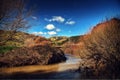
<point x="102" y="46"/>
<point x="32" y="49"/>
<point x="32" y="55"/>
<point x="73" y="46"/>
<point x="73" y="49"/>
<point x="30" y="42"/>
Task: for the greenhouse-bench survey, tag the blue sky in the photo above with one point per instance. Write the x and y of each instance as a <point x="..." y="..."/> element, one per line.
<point x="70" y="17"/>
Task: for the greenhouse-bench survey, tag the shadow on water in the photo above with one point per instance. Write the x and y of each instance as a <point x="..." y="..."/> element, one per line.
<point x="40" y="74"/>
<point x="65" y="70"/>
<point x="73" y="74"/>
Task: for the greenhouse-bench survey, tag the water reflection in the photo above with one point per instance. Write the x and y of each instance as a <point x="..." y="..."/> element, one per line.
<point x="65" y="70"/>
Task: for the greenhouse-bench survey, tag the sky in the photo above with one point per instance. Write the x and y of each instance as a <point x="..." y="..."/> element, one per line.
<point x="70" y="17"/>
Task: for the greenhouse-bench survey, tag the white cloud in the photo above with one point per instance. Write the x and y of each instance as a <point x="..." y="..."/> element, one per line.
<point x="50" y="27"/>
<point x="52" y="33"/>
<point x="58" y="30"/>
<point x="70" y="22"/>
<point x="56" y="18"/>
<point x="33" y="17"/>
<point x="39" y="33"/>
<point x="45" y="33"/>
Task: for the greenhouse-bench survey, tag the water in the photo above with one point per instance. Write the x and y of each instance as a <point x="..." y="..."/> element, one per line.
<point x="65" y="70"/>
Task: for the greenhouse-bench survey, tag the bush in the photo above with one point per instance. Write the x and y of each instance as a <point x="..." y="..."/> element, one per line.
<point x="73" y="49"/>
<point x="4" y="49"/>
<point x="32" y="55"/>
<point x="102" y="45"/>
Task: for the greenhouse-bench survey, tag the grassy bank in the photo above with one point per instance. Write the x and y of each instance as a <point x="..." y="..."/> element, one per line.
<point x="4" y="49"/>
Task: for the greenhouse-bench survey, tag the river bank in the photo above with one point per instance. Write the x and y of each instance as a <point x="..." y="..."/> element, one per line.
<point x="64" y="70"/>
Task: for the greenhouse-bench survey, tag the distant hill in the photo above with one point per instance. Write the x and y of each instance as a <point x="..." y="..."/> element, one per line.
<point x="75" y="39"/>
<point x="20" y="37"/>
<point x="17" y="39"/>
<point x="61" y="40"/>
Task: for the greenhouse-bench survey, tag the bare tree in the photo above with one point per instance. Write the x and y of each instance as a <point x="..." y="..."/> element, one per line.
<point x="13" y="17"/>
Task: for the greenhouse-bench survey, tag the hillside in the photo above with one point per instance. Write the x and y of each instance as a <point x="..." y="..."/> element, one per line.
<point x="27" y="49"/>
<point x="75" y="39"/>
<point x="21" y="39"/>
<point x="17" y="38"/>
<point x="63" y="40"/>
<point x="58" y="40"/>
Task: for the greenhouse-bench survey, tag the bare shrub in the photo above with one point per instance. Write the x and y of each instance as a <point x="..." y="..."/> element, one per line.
<point x="32" y="55"/>
<point x="102" y="45"/>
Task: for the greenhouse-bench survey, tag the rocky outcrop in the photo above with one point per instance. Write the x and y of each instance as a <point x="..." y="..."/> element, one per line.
<point x="32" y="55"/>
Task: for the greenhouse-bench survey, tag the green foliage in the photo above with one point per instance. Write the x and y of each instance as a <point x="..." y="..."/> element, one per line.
<point x="4" y="49"/>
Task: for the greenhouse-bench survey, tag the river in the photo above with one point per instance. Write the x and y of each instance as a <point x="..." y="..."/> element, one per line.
<point x="64" y="70"/>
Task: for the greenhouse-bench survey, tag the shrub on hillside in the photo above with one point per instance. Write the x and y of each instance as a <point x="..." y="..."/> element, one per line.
<point x="42" y="41"/>
<point x="4" y="49"/>
<point x="32" y="55"/>
<point x="102" y="45"/>
<point x="30" y="42"/>
<point x="73" y="49"/>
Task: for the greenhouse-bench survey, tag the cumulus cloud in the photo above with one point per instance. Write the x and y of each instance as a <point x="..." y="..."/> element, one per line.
<point x="70" y="22"/>
<point x="58" y="30"/>
<point x="50" y="27"/>
<point x="56" y="18"/>
<point x="52" y="33"/>
<point x="33" y="17"/>
<point x="39" y="33"/>
<point x="46" y="19"/>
